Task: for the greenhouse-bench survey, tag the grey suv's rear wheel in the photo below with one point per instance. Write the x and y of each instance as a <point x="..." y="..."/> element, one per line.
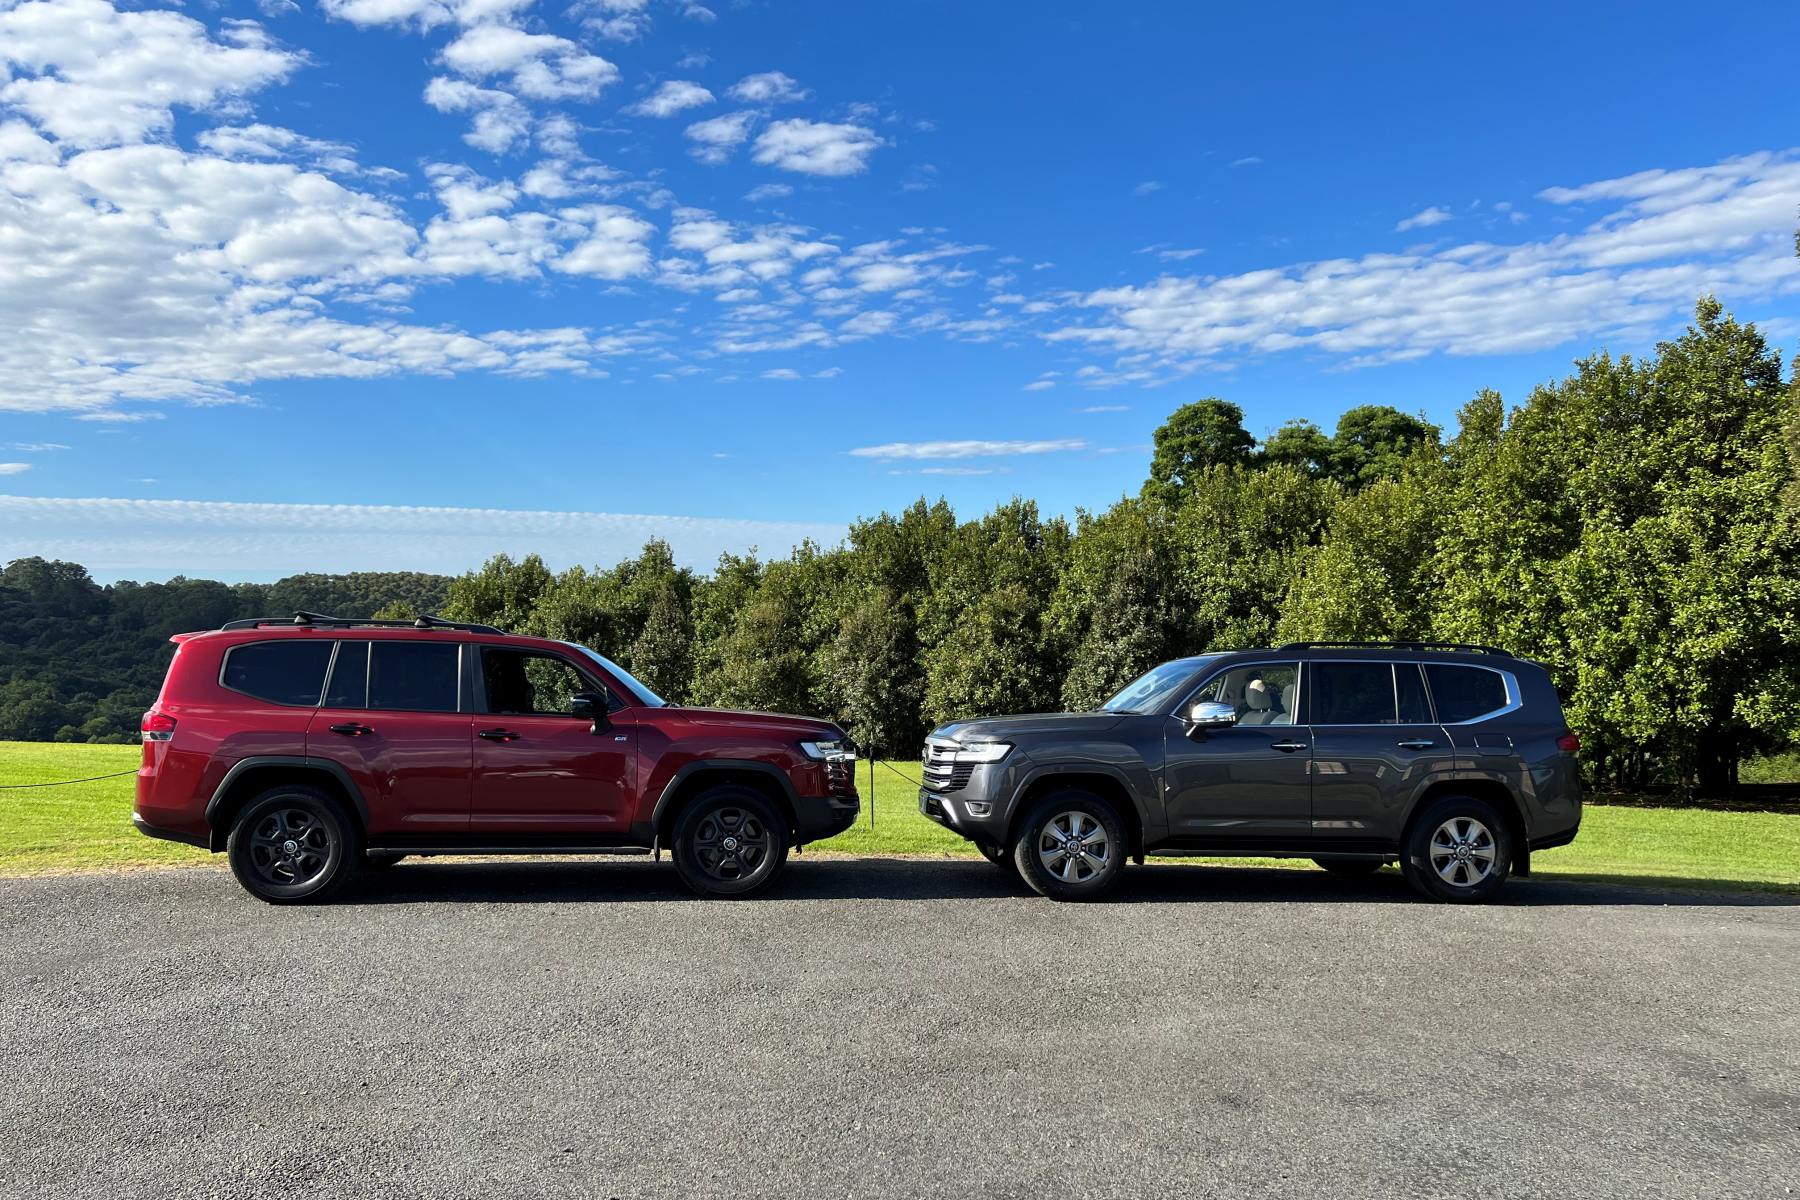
<point x="1459" y="849"/>
<point x="1071" y="846"/>
<point x="293" y="845"/>
<point x="730" y="842"/>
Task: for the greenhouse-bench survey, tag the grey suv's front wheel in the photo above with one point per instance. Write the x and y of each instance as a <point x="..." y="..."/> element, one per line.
<point x="1459" y="849"/>
<point x="1071" y="846"/>
<point x="293" y="845"/>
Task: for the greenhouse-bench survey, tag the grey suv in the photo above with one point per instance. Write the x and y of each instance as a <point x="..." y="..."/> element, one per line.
<point x="1453" y="760"/>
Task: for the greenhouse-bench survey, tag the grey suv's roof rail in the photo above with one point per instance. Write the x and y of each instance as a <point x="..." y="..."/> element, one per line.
<point x="1465" y="647"/>
<point x="319" y="620"/>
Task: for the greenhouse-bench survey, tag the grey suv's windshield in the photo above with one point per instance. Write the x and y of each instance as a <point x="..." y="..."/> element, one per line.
<point x="1153" y="689"/>
<point x="642" y="696"/>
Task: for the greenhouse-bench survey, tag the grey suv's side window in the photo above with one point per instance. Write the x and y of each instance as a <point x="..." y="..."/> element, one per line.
<point x="1263" y="693"/>
<point x="1352" y="693"/>
<point x="1466" y="693"/>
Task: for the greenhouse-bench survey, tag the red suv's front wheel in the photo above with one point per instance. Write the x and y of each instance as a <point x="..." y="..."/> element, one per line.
<point x="730" y="842"/>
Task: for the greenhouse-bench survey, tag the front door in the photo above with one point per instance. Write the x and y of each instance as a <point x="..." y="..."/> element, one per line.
<point x="1373" y="740"/>
<point x="539" y="769"/>
<point x="391" y="719"/>
<point x="1246" y="782"/>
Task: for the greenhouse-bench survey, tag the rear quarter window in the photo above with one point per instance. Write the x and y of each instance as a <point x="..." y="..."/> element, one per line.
<point x="291" y="672"/>
<point x="1465" y="693"/>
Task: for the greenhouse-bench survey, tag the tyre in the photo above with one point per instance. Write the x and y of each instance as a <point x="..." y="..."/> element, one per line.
<point x="1459" y="850"/>
<point x="1350" y="866"/>
<point x="730" y="842"/>
<point x="380" y="860"/>
<point x="1000" y="856"/>
<point x="1071" y="846"/>
<point x="293" y="845"/>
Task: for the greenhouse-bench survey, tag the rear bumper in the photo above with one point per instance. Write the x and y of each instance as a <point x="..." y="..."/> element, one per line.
<point x="168" y="835"/>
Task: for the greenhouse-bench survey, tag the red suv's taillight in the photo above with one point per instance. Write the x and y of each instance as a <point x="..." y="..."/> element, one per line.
<point x="157" y="727"/>
<point x="1568" y="743"/>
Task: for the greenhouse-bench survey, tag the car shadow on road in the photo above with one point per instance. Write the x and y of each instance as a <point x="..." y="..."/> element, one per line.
<point x="611" y="881"/>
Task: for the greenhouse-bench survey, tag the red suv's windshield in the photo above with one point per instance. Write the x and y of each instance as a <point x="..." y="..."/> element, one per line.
<point x="641" y="695"/>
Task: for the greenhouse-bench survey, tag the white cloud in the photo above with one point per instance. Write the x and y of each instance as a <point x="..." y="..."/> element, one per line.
<point x="675" y="95"/>
<point x="1249" y="160"/>
<point x="1423" y="220"/>
<point x="717" y="137"/>
<point x="1146" y="187"/>
<point x="200" y="537"/>
<point x="781" y="373"/>
<point x="768" y="191"/>
<point x="423" y="14"/>
<point x="1040" y="385"/>
<point x="815" y="147"/>
<point x="14" y="468"/>
<point x="768" y="87"/>
<point x="93" y="75"/>
<point x="500" y="119"/>
<point x="39" y="447"/>
<point x="967" y="449"/>
<point x="540" y="65"/>
<point x="1667" y="237"/>
<point x="1106" y="408"/>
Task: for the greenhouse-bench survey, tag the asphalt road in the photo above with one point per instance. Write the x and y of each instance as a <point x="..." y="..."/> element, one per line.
<point x="891" y="1029"/>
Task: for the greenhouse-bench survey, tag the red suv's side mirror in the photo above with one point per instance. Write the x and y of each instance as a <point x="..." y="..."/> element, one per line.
<point x="591" y="705"/>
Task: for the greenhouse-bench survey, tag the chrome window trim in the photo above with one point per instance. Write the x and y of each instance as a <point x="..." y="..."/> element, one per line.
<point x="1515" y="699"/>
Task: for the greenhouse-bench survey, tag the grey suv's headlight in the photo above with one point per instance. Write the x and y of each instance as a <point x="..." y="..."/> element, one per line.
<point x="981" y="752"/>
<point x="836" y="749"/>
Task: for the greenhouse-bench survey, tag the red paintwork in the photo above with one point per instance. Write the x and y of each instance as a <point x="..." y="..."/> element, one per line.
<point x="431" y="773"/>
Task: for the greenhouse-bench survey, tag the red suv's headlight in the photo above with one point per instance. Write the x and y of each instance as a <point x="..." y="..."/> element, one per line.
<point x="157" y="727"/>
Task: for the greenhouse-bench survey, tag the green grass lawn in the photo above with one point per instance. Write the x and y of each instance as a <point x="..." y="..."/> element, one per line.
<point x="87" y="826"/>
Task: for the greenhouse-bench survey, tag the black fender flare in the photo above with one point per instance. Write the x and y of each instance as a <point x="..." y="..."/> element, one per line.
<point x="335" y="769"/>
<point x="701" y="766"/>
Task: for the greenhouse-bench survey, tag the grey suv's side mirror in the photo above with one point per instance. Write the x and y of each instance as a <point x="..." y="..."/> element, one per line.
<point x="1212" y="714"/>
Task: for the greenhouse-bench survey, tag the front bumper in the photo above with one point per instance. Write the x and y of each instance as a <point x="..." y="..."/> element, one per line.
<point x="951" y="810"/>
<point x="821" y="817"/>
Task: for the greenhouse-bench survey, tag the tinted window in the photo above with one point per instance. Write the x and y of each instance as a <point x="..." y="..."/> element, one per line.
<point x="1346" y="693"/>
<point x="1414" y="708"/>
<point x="349" y="686"/>
<point x="282" y="672"/>
<point x="520" y="682"/>
<point x="1464" y="693"/>
<point x="415" y="676"/>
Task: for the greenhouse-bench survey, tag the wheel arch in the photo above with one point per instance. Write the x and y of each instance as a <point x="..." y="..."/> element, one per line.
<point x="1493" y="792"/>
<point x="1108" y="785"/>
<point x="695" y="777"/>
<point x="250" y="777"/>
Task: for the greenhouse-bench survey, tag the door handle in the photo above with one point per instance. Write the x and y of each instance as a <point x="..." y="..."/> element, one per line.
<point x="1287" y="747"/>
<point x="351" y="729"/>
<point x="1416" y="744"/>
<point x="499" y="735"/>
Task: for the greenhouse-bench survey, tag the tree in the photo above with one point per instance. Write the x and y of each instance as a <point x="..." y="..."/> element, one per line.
<point x="868" y="674"/>
<point x="1375" y="442"/>
<point x="662" y="654"/>
<point x="991" y="662"/>
<point x="1372" y="577"/>
<point x="1111" y="615"/>
<point x="1196" y="438"/>
<point x="1302" y="446"/>
<point x="502" y="593"/>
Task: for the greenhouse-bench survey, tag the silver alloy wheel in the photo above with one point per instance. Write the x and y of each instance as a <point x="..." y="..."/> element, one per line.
<point x="1073" y="847"/>
<point x="1462" y="852"/>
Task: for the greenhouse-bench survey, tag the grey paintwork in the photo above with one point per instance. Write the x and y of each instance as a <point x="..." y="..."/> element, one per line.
<point x="1298" y="789"/>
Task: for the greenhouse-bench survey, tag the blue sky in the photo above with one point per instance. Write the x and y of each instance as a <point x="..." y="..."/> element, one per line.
<point x="739" y="273"/>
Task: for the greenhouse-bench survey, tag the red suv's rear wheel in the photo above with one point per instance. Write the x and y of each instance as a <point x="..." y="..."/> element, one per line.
<point x="730" y="842"/>
<point x="293" y="845"/>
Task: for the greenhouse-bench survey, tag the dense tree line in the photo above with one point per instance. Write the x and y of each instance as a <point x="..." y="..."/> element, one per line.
<point x="1634" y="526"/>
<point x="81" y="662"/>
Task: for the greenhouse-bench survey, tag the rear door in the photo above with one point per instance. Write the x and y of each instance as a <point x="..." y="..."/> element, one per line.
<point x="394" y="717"/>
<point x="539" y="769"/>
<point x="1373" y="740"/>
<point x="1247" y="782"/>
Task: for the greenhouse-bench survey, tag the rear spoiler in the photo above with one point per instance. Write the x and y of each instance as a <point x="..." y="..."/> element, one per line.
<point x="179" y="638"/>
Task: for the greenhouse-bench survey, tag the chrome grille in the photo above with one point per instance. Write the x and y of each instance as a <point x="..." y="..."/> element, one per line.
<point x="942" y="773"/>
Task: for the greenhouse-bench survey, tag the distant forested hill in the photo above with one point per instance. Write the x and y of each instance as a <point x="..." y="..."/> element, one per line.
<point x="81" y="662"/>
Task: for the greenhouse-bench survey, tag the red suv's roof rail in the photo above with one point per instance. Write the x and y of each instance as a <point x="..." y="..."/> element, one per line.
<point x="312" y="620"/>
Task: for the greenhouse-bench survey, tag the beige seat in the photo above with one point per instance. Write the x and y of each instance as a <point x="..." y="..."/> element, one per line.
<point x="1259" y="705"/>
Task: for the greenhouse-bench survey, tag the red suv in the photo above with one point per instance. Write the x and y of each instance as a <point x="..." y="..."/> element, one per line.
<point x="310" y="747"/>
